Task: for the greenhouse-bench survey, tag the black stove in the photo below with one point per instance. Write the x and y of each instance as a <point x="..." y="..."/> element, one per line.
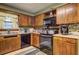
<point x="46" y="43"/>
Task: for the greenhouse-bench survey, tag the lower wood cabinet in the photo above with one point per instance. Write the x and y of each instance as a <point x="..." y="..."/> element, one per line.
<point x="8" y="44"/>
<point x="2" y="45"/>
<point x="35" y="40"/>
<point x="64" y="46"/>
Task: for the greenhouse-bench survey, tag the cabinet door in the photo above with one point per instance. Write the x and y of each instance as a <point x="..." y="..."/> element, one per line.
<point x="71" y="49"/>
<point x="77" y="12"/>
<point x="23" y="20"/>
<point x="71" y="12"/>
<point x="61" y="15"/>
<point x="7" y="44"/>
<point x="35" y="40"/>
<point x="71" y="46"/>
<point x="39" y="20"/>
<point x="29" y="21"/>
<point x="57" y="46"/>
<point x="15" y="43"/>
<point x="2" y="46"/>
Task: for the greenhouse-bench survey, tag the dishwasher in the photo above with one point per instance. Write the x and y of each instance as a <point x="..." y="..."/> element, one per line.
<point x="25" y="40"/>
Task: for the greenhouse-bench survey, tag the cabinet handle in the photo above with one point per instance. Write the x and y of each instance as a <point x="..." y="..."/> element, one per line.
<point x="10" y="36"/>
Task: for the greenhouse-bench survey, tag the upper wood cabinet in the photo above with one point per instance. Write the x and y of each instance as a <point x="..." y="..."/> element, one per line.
<point x="67" y="14"/>
<point x="77" y="12"/>
<point x="23" y="20"/>
<point x="60" y="12"/>
<point x="29" y="21"/>
<point x="39" y="20"/>
<point x="71" y="13"/>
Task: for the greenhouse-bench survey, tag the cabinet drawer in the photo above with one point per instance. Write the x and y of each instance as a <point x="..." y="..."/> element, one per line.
<point x="70" y="40"/>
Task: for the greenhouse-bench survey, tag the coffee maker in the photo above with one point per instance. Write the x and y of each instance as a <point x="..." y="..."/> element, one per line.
<point x="64" y="29"/>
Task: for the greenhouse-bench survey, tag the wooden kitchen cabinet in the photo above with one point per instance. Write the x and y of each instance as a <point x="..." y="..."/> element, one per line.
<point x="71" y="12"/>
<point x="23" y="20"/>
<point x="2" y="45"/>
<point x="39" y="20"/>
<point x="14" y="43"/>
<point x="67" y="14"/>
<point x="35" y="40"/>
<point x="57" y="46"/>
<point x="30" y="19"/>
<point x="60" y="14"/>
<point x="77" y="12"/>
<point x="64" y="46"/>
<point x="8" y="44"/>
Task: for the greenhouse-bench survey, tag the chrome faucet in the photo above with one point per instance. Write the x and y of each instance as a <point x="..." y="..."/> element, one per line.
<point x="8" y="31"/>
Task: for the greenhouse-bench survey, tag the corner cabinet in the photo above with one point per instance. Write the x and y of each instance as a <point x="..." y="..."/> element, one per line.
<point x="39" y="20"/>
<point x="67" y="14"/>
<point x="64" y="46"/>
<point x="35" y="40"/>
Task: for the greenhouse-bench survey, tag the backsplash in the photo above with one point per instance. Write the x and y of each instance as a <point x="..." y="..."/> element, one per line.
<point x="27" y="30"/>
<point x="11" y="32"/>
<point x="74" y="28"/>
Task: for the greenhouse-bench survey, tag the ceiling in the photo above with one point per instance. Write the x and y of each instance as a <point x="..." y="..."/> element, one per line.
<point x="33" y="8"/>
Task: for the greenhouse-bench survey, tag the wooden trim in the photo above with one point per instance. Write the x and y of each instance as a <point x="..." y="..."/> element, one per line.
<point x="10" y="29"/>
<point x="8" y="11"/>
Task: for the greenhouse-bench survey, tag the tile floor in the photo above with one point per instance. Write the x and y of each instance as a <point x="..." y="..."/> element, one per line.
<point x="27" y="51"/>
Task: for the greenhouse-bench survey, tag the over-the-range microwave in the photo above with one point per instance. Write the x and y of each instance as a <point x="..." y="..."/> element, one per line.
<point x="50" y="21"/>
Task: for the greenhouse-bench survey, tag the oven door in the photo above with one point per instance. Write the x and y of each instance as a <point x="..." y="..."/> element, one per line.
<point x="46" y="44"/>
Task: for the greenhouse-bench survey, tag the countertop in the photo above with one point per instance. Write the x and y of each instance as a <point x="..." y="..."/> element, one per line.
<point x="59" y="35"/>
<point x="35" y="33"/>
<point x="11" y="34"/>
<point x="30" y="33"/>
<point x="68" y="36"/>
<point x="7" y="34"/>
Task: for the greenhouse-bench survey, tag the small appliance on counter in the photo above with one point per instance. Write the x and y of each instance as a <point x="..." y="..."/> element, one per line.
<point x="64" y="29"/>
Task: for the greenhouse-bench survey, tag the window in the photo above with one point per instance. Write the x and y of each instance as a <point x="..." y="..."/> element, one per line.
<point x="8" y="23"/>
